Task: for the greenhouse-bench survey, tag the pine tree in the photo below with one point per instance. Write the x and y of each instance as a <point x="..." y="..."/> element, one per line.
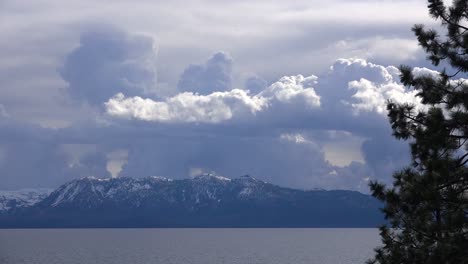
<point x="427" y="206"/>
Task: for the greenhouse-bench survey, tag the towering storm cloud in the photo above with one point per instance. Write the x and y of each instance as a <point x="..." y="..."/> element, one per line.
<point x="212" y="76"/>
<point x="108" y="61"/>
<point x="285" y="122"/>
<point x="173" y="89"/>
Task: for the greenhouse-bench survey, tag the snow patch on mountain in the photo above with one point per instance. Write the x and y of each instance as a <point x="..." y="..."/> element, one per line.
<point x="210" y="176"/>
<point x="160" y="178"/>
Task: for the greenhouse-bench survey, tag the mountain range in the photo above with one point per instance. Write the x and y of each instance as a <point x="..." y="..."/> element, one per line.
<point x="204" y="201"/>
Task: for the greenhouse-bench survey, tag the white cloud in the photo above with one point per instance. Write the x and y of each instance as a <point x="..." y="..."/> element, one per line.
<point x="293" y="89"/>
<point x="374" y="97"/>
<point x="216" y="107"/>
<point x="187" y="107"/>
<point x="357" y="68"/>
<point x="417" y="71"/>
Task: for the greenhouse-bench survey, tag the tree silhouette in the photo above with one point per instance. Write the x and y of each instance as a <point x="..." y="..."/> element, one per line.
<point x="427" y="206"/>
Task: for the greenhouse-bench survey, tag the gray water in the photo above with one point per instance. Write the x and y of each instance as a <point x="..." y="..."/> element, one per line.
<point x="187" y="246"/>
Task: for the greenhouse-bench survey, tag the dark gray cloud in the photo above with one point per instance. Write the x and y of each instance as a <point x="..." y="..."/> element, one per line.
<point x="109" y="61"/>
<point x="255" y="84"/>
<point x="33" y="164"/>
<point x="212" y="76"/>
<point x="274" y="159"/>
<point x="33" y="156"/>
<point x="384" y="155"/>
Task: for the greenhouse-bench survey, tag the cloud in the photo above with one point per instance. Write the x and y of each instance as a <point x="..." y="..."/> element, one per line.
<point x="187" y="107"/>
<point x="275" y="159"/>
<point x="209" y="121"/>
<point x="377" y="86"/>
<point x="383" y="155"/>
<point x="212" y="76"/>
<point x="418" y="71"/>
<point x="108" y="61"/>
<point x="377" y="48"/>
<point x="34" y="164"/>
<point x="32" y="156"/>
<point x="255" y="84"/>
<point x="288" y="41"/>
<point x="3" y="112"/>
<point x="295" y="90"/>
<point x="369" y="85"/>
<point x="217" y="106"/>
<point x="374" y="97"/>
<point x="341" y="148"/>
<point x="93" y="164"/>
<point x="355" y="69"/>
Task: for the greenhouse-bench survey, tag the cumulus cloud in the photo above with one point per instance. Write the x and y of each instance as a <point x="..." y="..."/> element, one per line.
<point x="372" y="92"/>
<point x="209" y="77"/>
<point x="332" y="85"/>
<point x="187" y="107"/>
<point x="218" y="106"/>
<point x="374" y="97"/>
<point x="355" y="69"/>
<point x="108" y="61"/>
<point x="369" y="85"/>
<point x="417" y="71"/>
<point x="293" y="90"/>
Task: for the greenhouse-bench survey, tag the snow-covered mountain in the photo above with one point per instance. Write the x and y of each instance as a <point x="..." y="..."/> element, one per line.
<point x="204" y="201"/>
<point x="10" y="200"/>
<point x="132" y="192"/>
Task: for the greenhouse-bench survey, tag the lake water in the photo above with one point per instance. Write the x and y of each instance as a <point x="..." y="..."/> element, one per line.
<point x="187" y="246"/>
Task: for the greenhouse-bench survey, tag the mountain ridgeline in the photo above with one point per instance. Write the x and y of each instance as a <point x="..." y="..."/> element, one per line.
<point x="204" y="201"/>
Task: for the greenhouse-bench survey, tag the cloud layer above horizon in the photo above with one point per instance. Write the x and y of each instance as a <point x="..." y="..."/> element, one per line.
<point x="120" y="96"/>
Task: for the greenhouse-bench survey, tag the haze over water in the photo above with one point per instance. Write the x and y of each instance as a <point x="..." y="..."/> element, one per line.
<point x="187" y="246"/>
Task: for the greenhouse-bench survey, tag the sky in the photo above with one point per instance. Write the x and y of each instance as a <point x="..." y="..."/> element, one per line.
<point x="291" y="93"/>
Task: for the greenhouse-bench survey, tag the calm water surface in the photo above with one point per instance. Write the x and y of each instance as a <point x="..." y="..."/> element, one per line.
<point x="187" y="246"/>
